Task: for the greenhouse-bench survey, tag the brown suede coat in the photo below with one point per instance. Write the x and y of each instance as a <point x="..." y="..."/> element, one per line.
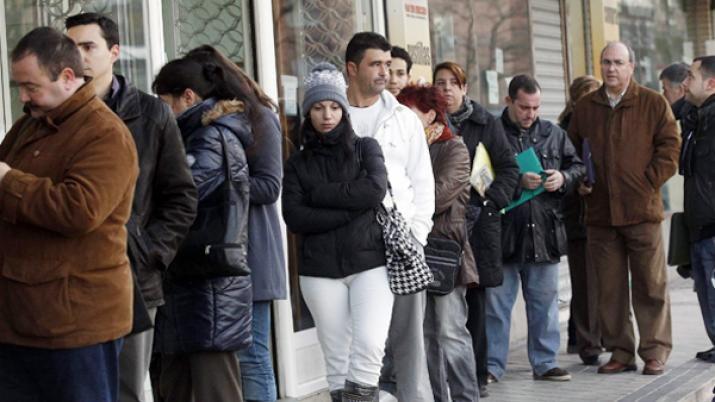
<point x="635" y="150"/>
<point x="450" y="164"/>
<point x="65" y="279"/>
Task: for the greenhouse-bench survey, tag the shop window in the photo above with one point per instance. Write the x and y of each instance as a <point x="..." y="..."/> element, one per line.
<point x="22" y="16"/>
<point x="308" y="32"/>
<point x="490" y="39"/>
<point x="657" y="32"/>
<point x="224" y="24"/>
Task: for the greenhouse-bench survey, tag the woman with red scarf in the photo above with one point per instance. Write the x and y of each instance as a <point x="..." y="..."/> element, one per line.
<point x="450" y="355"/>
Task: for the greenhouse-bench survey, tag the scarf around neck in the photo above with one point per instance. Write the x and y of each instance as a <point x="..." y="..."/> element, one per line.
<point x="458" y="117"/>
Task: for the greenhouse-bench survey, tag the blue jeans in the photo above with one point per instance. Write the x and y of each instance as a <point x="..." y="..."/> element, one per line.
<point x="259" y="383"/>
<point x="703" y="263"/>
<point x="540" y="287"/>
<point x="86" y="374"/>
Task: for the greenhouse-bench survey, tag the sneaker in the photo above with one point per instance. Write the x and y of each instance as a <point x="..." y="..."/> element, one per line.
<point x="483" y="393"/>
<point x="555" y="374"/>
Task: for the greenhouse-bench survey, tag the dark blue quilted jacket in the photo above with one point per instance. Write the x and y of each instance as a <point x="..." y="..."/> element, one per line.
<point x="209" y="314"/>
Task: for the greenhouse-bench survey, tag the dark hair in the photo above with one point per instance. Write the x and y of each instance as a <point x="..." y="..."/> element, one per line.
<point x="425" y="98"/>
<point x="362" y="41"/>
<point x="676" y="73"/>
<point x="179" y="74"/>
<point x="453" y="68"/>
<point x="109" y="28"/>
<point x="707" y="66"/>
<point x="248" y="88"/>
<point x="401" y="53"/>
<point x="524" y="83"/>
<point x="54" y="51"/>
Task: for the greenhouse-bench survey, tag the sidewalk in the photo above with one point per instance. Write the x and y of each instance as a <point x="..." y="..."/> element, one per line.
<point x="685" y="379"/>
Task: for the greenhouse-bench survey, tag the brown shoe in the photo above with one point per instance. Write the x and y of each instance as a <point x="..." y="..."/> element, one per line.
<point x="653" y="367"/>
<point x="614" y="366"/>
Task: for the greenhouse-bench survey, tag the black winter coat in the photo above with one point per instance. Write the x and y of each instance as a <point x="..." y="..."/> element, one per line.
<point x="534" y="232"/>
<point x="573" y="205"/>
<point x="484" y="221"/>
<point x="210" y="314"/>
<point x="164" y="203"/>
<point x="329" y="198"/>
<point x="698" y="161"/>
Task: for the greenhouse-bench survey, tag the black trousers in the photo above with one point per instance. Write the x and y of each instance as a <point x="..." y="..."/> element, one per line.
<point x="476" y="324"/>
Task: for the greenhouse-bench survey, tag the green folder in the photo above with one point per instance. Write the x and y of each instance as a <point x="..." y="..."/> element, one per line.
<point x="528" y="162"/>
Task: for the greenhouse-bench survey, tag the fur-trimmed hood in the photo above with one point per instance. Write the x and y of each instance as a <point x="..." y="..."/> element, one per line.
<point x="223" y="114"/>
<point x="222" y="108"/>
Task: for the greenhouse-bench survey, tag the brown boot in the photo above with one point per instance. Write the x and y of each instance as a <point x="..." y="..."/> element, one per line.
<point x="653" y="367"/>
<point x="614" y="367"/>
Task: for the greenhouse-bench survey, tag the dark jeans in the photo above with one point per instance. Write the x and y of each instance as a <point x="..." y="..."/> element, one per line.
<point x="87" y="374"/>
<point x="703" y="259"/>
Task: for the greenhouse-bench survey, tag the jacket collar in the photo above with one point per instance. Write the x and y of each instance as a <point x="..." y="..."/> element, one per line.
<point x="127" y="106"/>
<point x="228" y="114"/>
<point x="480" y="115"/>
<point x="61" y="113"/>
<point x="632" y="92"/>
<point x="708" y="104"/>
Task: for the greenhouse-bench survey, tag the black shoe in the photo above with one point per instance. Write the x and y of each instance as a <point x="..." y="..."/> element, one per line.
<point x="555" y="374"/>
<point x="483" y="393"/>
<point x="355" y="392"/>
<point x="592" y="360"/>
<point x="491" y="378"/>
<point x="336" y="396"/>
<point x="707" y="355"/>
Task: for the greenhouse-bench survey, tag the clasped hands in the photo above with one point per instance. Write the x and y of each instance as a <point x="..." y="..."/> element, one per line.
<point x="553" y="181"/>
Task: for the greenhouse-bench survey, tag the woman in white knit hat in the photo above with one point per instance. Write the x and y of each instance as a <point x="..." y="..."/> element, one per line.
<point x="331" y="189"/>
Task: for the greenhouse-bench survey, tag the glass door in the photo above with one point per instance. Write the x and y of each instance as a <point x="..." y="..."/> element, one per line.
<point x="22" y="16"/>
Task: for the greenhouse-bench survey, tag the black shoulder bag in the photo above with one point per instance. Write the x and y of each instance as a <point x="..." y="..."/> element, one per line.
<point x="217" y="242"/>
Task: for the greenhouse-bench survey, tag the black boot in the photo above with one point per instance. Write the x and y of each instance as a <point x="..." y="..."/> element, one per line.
<point x="337" y="395"/>
<point x="360" y="393"/>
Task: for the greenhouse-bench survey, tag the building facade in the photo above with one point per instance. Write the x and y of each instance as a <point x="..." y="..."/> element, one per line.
<point x="278" y="41"/>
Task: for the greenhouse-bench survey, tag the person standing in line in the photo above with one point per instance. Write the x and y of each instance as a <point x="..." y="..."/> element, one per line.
<point x="400" y="68"/>
<point x="375" y="113"/>
<point x="673" y="80"/>
<point x="331" y="191"/>
<point x="450" y="357"/>
<point x="164" y="203"/>
<point x="584" y="334"/>
<point x="206" y="319"/>
<point x="67" y="176"/>
<point x="533" y="236"/>
<point x="476" y="125"/>
<point x="634" y="146"/>
<point x="697" y="158"/>
<point x="265" y="239"/>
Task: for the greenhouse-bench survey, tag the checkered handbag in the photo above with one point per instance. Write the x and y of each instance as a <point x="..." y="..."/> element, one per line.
<point x="407" y="269"/>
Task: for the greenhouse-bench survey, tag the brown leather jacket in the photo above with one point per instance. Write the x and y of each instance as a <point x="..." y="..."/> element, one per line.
<point x="635" y="150"/>
<point x="450" y="164"/>
<point x="65" y="279"/>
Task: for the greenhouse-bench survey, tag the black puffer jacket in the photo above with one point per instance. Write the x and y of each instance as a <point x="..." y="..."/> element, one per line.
<point x="329" y="198"/>
<point x="210" y="314"/>
<point x="534" y="232"/>
<point x="164" y="203"/>
<point x="698" y="168"/>
<point x="485" y="221"/>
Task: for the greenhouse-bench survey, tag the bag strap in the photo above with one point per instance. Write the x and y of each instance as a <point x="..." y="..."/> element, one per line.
<point x="224" y="148"/>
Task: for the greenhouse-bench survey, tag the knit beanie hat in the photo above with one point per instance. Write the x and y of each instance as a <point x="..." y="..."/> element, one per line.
<point x="325" y="82"/>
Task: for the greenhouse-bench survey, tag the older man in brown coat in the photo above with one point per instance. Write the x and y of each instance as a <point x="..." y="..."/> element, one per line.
<point x="634" y="143"/>
<point x="66" y="182"/>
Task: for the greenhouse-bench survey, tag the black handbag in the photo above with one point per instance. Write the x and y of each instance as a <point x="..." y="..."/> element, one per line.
<point x="444" y="258"/>
<point x="679" y="243"/>
<point x="217" y="243"/>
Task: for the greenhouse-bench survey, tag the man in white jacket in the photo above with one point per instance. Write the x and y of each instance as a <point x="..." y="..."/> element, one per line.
<point x="375" y="113"/>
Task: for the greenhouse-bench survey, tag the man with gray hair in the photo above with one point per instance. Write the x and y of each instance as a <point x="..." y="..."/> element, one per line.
<point x="634" y="143"/>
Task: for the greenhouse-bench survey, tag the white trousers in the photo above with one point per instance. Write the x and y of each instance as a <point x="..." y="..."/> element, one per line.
<point x="352" y="316"/>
